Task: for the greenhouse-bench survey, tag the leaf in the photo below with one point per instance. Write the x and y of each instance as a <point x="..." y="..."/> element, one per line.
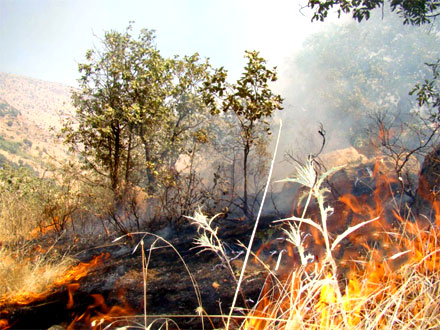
<point x="305" y="220"/>
<point x="348" y="231"/>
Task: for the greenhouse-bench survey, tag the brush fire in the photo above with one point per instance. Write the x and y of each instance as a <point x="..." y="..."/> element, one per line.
<point x="351" y="255"/>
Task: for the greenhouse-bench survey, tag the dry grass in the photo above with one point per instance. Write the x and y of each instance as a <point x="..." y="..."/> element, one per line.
<point x="375" y="298"/>
<point x="27" y="270"/>
<point x="384" y="291"/>
<point x="400" y="290"/>
<point x="18" y="218"/>
<point x="27" y="276"/>
<point x="380" y="292"/>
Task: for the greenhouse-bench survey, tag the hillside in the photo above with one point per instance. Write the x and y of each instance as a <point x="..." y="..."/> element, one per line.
<point x="31" y="112"/>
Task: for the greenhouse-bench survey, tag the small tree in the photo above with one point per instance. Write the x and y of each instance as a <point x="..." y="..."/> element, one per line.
<point x="106" y="111"/>
<point x="135" y="109"/>
<point x="250" y="100"/>
<point x="136" y="113"/>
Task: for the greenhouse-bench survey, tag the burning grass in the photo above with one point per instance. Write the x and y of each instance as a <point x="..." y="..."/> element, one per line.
<point x="394" y="286"/>
<point x="26" y="269"/>
<point x="29" y="279"/>
<point x="380" y="270"/>
<point x="26" y="279"/>
<point x="373" y="295"/>
<point x="33" y="266"/>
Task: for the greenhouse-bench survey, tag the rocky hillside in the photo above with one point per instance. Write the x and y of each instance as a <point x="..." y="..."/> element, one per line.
<point x="31" y="112"/>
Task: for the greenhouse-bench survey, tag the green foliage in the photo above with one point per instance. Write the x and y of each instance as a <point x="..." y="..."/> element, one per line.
<point x="29" y="202"/>
<point x="250" y="101"/>
<point x="10" y="146"/>
<point x="20" y="205"/>
<point x="355" y="71"/>
<point x="8" y="110"/>
<point x="135" y="109"/>
<point x="414" y="12"/>
<point x="428" y="92"/>
<point x="138" y="114"/>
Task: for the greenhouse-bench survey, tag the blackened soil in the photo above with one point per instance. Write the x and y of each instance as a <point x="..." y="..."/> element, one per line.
<point x="170" y="290"/>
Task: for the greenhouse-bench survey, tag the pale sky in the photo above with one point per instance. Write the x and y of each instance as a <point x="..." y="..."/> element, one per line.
<point x="46" y="39"/>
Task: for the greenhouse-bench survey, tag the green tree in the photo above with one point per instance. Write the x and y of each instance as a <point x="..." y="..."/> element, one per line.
<point x="250" y="100"/>
<point x="353" y="72"/>
<point x="415" y="12"/>
<point x="134" y="108"/>
<point x="171" y="112"/>
<point x="102" y="129"/>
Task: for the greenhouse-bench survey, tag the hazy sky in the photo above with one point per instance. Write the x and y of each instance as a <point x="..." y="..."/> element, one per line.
<point x="46" y="39"/>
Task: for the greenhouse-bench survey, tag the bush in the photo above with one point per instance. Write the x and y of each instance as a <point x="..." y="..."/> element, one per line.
<point x="30" y="204"/>
<point x="6" y="109"/>
<point x="27" y="142"/>
<point x="20" y="209"/>
<point x="10" y="146"/>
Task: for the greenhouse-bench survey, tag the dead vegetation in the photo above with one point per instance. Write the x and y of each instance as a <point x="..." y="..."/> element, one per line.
<point x="363" y="263"/>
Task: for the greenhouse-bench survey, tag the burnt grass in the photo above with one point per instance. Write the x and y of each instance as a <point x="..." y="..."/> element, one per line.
<point x="118" y="281"/>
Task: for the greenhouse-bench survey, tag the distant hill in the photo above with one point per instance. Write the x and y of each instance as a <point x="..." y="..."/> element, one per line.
<point x="31" y="112"/>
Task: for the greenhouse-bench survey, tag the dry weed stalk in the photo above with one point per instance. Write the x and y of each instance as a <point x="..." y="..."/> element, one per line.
<point x="376" y="295"/>
<point x="308" y="176"/>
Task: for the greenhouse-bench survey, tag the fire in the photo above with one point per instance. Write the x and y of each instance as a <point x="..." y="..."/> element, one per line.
<point x="380" y="276"/>
<point x="73" y="274"/>
<point x="82" y="269"/>
<point x="99" y="315"/>
<point x="52" y="226"/>
<point x="392" y="279"/>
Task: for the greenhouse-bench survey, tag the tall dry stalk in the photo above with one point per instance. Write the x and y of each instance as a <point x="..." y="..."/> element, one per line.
<point x="309" y="177"/>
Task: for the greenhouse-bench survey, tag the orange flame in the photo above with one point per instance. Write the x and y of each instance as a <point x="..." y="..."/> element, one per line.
<point x="393" y="249"/>
<point x="82" y="269"/>
<point x="74" y="274"/>
<point x="4" y="324"/>
<point x="99" y="315"/>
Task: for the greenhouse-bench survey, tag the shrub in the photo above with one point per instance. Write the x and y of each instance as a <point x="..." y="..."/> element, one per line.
<point x="27" y="142"/>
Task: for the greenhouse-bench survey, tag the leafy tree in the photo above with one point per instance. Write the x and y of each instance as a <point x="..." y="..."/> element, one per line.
<point x="102" y="128"/>
<point x="415" y="12"/>
<point x="353" y="86"/>
<point x="134" y="108"/>
<point x="167" y="122"/>
<point x="250" y="100"/>
<point x="428" y="92"/>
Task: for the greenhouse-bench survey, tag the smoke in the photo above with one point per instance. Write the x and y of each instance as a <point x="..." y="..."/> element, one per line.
<point x="346" y="74"/>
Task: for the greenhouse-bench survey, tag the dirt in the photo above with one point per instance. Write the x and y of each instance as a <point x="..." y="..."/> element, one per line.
<point x="169" y="289"/>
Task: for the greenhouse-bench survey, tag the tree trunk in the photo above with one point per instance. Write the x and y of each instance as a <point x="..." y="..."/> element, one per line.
<point x="116" y="160"/>
<point x="128" y="163"/>
<point x="150" y="175"/>
<point x="245" y="177"/>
